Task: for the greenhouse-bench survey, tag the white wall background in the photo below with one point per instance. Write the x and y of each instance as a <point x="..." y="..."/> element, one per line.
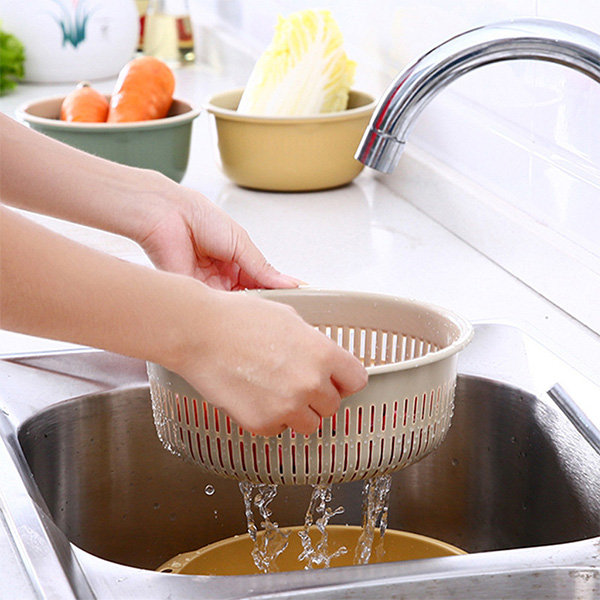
<point x="526" y="130"/>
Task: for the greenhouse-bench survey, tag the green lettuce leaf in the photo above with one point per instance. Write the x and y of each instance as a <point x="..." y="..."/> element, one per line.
<point x="12" y="62"/>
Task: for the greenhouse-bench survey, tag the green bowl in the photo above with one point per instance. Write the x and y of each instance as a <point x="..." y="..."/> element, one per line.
<point x="159" y="144"/>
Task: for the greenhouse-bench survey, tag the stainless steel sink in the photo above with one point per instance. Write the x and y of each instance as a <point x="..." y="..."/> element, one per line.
<point x="516" y="484"/>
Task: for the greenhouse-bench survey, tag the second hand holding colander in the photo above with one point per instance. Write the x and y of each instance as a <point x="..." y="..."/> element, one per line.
<point x="410" y="350"/>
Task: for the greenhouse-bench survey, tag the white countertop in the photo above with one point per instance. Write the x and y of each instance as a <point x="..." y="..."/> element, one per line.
<point x="361" y="237"/>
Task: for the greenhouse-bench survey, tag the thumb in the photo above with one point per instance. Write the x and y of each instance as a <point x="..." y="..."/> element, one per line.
<point x="257" y="271"/>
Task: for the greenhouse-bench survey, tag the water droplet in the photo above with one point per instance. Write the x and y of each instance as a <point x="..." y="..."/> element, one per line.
<point x="209" y="490"/>
<point x="454" y="462"/>
<point x="156" y="506"/>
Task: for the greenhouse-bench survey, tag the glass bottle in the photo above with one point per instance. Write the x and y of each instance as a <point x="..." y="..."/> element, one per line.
<point x="142" y="6"/>
<point x="168" y="31"/>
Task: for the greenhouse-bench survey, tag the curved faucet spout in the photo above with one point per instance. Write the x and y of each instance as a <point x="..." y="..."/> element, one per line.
<point x="413" y="89"/>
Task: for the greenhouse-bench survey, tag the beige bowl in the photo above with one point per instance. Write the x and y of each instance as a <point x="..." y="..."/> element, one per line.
<point x="233" y="556"/>
<point x="290" y="154"/>
<point x="159" y="144"/>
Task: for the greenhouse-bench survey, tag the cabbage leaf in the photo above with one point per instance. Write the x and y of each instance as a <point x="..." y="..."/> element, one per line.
<point x="304" y="71"/>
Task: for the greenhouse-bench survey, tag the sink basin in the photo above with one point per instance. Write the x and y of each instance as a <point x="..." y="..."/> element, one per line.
<point x="512" y="473"/>
<point x="515" y="484"/>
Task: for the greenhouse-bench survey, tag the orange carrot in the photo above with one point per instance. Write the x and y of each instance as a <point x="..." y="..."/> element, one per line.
<point x="84" y="104"/>
<point x="144" y="90"/>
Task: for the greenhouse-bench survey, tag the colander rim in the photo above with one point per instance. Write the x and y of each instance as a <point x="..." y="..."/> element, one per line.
<point x="465" y="328"/>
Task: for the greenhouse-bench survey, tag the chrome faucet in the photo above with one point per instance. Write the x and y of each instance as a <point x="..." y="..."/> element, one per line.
<point x="385" y="137"/>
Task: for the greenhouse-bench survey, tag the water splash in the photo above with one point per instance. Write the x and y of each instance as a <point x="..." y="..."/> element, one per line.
<point x="273" y="541"/>
<point x="270" y="541"/>
<point x="319" y="555"/>
<point x="375" y="506"/>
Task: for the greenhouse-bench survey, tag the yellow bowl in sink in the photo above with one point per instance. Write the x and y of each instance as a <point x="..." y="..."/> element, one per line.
<point x="233" y="556"/>
<point x="290" y="154"/>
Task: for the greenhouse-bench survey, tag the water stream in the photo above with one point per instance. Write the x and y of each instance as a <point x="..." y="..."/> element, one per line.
<point x="315" y="553"/>
<point x="375" y="506"/>
<point x="269" y="546"/>
<point x="318" y="555"/>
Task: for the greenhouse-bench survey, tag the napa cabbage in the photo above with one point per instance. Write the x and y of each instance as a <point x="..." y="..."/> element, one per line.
<point x="304" y="71"/>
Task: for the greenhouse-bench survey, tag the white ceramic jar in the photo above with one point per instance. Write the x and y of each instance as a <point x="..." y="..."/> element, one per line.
<point x="72" y="40"/>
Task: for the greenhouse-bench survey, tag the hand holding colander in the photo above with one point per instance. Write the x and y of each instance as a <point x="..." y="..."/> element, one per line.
<point x="410" y="351"/>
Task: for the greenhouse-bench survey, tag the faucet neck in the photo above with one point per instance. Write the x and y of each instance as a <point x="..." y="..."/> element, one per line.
<point x="538" y="39"/>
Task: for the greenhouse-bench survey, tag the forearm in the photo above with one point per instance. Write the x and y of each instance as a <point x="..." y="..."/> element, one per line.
<point x="256" y="359"/>
<point x="53" y="287"/>
<point x="43" y="175"/>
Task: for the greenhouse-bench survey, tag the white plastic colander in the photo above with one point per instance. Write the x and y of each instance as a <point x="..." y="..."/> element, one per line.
<point x="410" y="350"/>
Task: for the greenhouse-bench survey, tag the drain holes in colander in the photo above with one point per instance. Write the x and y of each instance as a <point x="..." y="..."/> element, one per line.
<point x="370" y="455"/>
<point x="196" y="418"/>
<point x="267" y="458"/>
<point x="333" y="465"/>
<point x="186" y="411"/>
<point x="412" y="445"/>
<point x="230" y="448"/>
<point x="431" y="400"/>
<point x="189" y="435"/>
<point x="306" y="460"/>
<point x="357" y="466"/>
<point x="254" y="457"/>
<point x="220" y="453"/>
<point x="320" y="458"/>
<point x="242" y="457"/>
<point x="381" y="453"/>
<point x="420" y="441"/>
<point x="333" y="424"/>
<point x="205" y="411"/>
<point x="268" y="463"/>
<point x="345" y="457"/>
<point x="403" y="349"/>
<point x="199" y="446"/>
<point x="415" y="409"/>
<point x="393" y="446"/>
<point x="210" y="458"/>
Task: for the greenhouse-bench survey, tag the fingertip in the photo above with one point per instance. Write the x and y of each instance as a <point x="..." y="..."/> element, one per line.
<point x="353" y="379"/>
<point x="362" y="379"/>
<point x="268" y="431"/>
<point x="287" y="281"/>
